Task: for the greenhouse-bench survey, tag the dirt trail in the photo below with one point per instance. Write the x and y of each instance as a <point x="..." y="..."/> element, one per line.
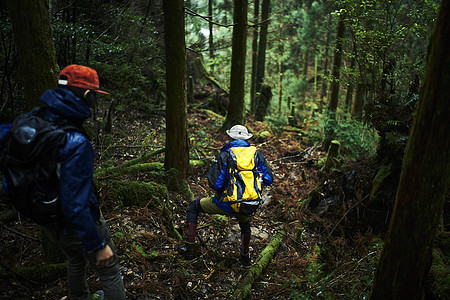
<point x="215" y="273"/>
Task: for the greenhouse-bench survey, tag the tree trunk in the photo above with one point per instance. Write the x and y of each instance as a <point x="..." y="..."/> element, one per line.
<point x="350" y="84"/>
<point x="424" y="181"/>
<point x="263" y="102"/>
<point x="177" y="142"/>
<point x="235" y="113"/>
<point x="332" y="156"/>
<point x="305" y="63"/>
<point x="35" y="49"/>
<point x="261" y="65"/>
<point x="337" y="65"/>
<point x="332" y="107"/>
<point x="280" y="86"/>
<point x="255" y="32"/>
<point x="323" y="93"/>
<point x="359" y="101"/>
<point x="210" y="38"/>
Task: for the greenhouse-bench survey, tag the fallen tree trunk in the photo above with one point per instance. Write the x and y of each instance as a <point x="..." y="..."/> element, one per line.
<point x="117" y="171"/>
<point x="244" y="289"/>
<point x="131" y="162"/>
<point x="137" y="165"/>
<point x="39" y="273"/>
<point x="9" y="216"/>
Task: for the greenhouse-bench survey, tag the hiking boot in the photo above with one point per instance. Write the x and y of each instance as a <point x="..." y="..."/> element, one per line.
<point x="245" y="260"/>
<point x="187" y="250"/>
<point x="98" y="295"/>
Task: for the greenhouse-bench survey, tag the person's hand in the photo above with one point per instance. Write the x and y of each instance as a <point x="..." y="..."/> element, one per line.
<point x="104" y="257"/>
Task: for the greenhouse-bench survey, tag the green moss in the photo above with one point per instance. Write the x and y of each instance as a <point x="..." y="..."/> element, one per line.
<point x="220" y="221"/>
<point x="134" y="193"/>
<point x="379" y="182"/>
<point x="264" y="135"/>
<point x="151" y="255"/>
<point x="42" y="273"/>
<point x="50" y="249"/>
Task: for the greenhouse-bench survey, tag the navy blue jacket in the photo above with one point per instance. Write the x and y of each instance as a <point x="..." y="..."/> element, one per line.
<point x="79" y="203"/>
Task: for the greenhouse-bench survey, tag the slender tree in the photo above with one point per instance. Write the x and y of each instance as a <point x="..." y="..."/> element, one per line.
<point x="357" y="110"/>
<point x="323" y="92"/>
<point x="350" y="84"/>
<point x="235" y="113"/>
<point x="337" y="65"/>
<point x="35" y="49"/>
<point x="261" y="65"/>
<point x="335" y="84"/>
<point x="424" y="181"/>
<point x="211" y="39"/>
<point x="177" y="143"/>
<point x="255" y="32"/>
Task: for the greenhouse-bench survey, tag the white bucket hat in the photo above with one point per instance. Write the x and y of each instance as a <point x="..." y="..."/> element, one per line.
<point x="239" y="132"/>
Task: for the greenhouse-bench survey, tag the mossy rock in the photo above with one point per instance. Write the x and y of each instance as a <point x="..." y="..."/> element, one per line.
<point x="134" y="193"/>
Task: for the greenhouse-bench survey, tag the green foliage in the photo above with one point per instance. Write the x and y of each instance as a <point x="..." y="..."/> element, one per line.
<point x="439" y="272"/>
<point x="357" y="139"/>
<point x="147" y="255"/>
<point x="277" y="122"/>
<point x="121" y="49"/>
<point x="351" y="279"/>
<point x="313" y="284"/>
<point x="119" y="235"/>
<point x="134" y="193"/>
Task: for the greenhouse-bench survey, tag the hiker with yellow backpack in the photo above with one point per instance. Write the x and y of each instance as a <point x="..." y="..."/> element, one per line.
<point x="237" y="175"/>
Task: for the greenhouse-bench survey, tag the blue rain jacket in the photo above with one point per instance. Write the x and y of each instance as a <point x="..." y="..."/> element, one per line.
<point x="79" y="203"/>
<point x="223" y="178"/>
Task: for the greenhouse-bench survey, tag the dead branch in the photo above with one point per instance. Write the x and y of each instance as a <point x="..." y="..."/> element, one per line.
<point x="19" y="233"/>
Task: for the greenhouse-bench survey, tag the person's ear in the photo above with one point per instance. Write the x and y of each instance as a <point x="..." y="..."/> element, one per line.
<point x="90" y="98"/>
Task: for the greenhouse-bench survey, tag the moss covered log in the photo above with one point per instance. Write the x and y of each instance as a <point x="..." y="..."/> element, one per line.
<point x="137" y="167"/>
<point x="39" y="273"/>
<point x="244" y="289"/>
<point x="117" y="171"/>
<point x="135" y="193"/>
<point x="8" y="216"/>
<point x="132" y="162"/>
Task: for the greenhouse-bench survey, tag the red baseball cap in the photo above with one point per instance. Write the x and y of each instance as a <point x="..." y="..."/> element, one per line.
<point x="80" y="76"/>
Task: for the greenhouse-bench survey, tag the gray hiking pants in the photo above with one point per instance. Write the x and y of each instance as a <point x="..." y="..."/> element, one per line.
<point x="78" y="262"/>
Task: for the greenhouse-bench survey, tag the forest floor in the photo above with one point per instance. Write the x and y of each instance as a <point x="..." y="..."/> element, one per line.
<point x="328" y="252"/>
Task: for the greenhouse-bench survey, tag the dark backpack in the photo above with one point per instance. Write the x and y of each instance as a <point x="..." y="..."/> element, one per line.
<point x="30" y="165"/>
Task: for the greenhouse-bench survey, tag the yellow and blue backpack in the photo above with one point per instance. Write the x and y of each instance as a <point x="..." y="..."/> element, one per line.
<point x="244" y="187"/>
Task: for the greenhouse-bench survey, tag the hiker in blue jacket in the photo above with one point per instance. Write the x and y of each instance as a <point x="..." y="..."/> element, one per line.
<point x="219" y="178"/>
<point x="85" y="237"/>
